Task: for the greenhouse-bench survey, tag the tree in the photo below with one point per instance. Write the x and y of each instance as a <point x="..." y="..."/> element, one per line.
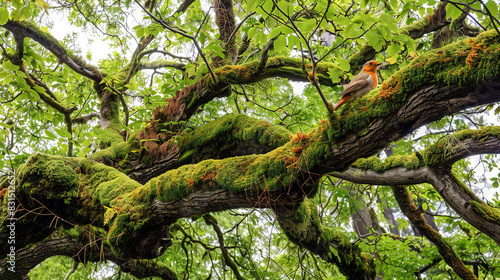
<point x="187" y="152"/>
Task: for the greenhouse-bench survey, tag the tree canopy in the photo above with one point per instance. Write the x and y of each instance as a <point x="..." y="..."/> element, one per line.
<point x="197" y="140"/>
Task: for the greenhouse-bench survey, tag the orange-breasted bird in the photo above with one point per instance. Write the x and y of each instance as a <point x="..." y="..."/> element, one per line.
<point x="361" y="84"/>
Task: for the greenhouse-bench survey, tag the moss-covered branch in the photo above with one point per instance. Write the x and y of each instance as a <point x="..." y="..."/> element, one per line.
<point x="159" y="64"/>
<point x="187" y="101"/>
<point x="229" y="136"/>
<point x="302" y="226"/>
<point x="433" y="167"/>
<point x="446" y="151"/>
<point x="27" y="29"/>
<point x="405" y="201"/>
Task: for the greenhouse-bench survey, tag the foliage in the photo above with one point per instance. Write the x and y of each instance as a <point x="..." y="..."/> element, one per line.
<point x="128" y="83"/>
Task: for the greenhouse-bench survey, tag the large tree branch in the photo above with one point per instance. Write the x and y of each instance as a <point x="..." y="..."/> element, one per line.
<point x="83" y="248"/>
<point x="434" y="168"/>
<point x="421" y="93"/>
<point x="230" y="136"/>
<point x="303" y="227"/>
<point x="405" y="201"/>
<point x="29" y="30"/>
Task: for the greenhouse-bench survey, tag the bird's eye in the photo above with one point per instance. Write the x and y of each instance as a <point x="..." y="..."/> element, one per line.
<point x="371" y="63"/>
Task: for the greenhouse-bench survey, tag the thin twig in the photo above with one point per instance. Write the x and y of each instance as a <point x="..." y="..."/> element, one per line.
<point x="312" y="76"/>
<point x="239" y="25"/>
<point x="169" y="28"/>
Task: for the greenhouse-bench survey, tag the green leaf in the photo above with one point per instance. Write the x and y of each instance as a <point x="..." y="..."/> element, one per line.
<point x="453" y="12"/>
<point x="252" y="31"/>
<point x="374" y="39"/>
<point x="309" y="25"/>
<point x="7" y="65"/>
<point x="344" y="64"/>
<point x="335" y="74"/>
<point x="261" y="38"/>
<point x="493" y="7"/>
<point x="349" y="31"/>
<point x="50" y="135"/>
<point x="43" y="4"/>
<point x="4" y="15"/>
<point x="280" y="43"/>
<point x="139" y="32"/>
<point x="48" y="116"/>
<point x="265" y="8"/>
<point x="286" y="7"/>
<point x="17" y="4"/>
<point x="62" y="132"/>
<point x="342" y="20"/>
<point x="424" y="206"/>
<point x="275" y="32"/>
<point x="26" y="12"/>
<point x="497" y="110"/>
<point x="387" y="19"/>
<point x="294" y="41"/>
<point x="393" y="49"/>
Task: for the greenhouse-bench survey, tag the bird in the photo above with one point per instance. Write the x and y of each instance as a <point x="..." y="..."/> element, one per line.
<point x="361" y="84"/>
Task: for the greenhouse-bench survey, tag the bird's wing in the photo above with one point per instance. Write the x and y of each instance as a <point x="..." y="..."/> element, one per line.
<point x="357" y="83"/>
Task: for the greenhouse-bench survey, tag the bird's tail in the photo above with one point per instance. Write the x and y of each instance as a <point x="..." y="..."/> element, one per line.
<point x="342" y="101"/>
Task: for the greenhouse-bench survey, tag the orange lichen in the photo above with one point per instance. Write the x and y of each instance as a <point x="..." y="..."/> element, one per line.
<point x="388" y="90"/>
<point x="209" y="176"/>
<point x="3" y="192"/>
<point x="310" y="76"/>
<point x="473" y="53"/>
<point x="190" y="182"/>
<point x="300" y="137"/>
<point x="363" y="109"/>
<point x="297" y="149"/>
<point x="291" y="162"/>
<point x="322" y="122"/>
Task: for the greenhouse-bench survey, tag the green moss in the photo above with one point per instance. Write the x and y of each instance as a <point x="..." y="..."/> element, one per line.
<point x="275" y="66"/>
<point x="417" y="26"/>
<point x="484" y="210"/>
<point x="302" y="227"/>
<point x="376" y="164"/>
<point x="49" y="177"/>
<point x="114" y="152"/>
<point x="229" y="136"/>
